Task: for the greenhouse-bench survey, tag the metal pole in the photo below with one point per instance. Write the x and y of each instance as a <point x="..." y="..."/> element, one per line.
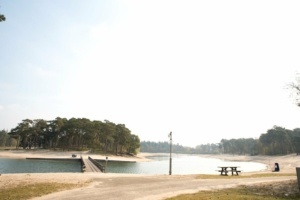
<point x="106" y="163"/>
<point x="170" y="170"/>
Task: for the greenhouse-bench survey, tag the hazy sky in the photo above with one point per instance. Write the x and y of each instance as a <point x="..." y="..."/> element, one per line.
<point x="205" y="70"/>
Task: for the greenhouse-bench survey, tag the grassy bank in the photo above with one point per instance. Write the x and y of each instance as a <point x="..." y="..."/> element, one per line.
<point x="270" y="191"/>
<point x="28" y="191"/>
<point x="263" y="191"/>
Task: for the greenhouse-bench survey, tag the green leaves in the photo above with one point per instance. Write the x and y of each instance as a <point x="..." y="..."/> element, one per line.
<point x="76" y="134"/>
<point x="2" y="18"/>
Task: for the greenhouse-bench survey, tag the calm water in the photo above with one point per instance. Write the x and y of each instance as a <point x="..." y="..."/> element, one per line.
<point x="8" y="165"/>
<point x="181" y="164"/>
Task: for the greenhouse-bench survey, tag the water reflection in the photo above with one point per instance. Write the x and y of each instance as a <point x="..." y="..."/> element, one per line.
<point x="181" y="164"/>
<point x="8" y="165"/>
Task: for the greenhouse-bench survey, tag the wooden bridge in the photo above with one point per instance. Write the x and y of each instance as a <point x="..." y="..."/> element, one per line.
<point x="87" y="164"/>
<point x="90" y="165"/>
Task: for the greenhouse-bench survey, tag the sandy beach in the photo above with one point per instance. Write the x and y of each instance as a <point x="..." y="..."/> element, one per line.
<point x="133" y="186"/>
<point x="67" y="154"/>
<point x="287" y="163"/>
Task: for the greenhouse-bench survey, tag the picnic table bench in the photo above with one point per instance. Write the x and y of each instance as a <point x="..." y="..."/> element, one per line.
<point x="224" y="170"/>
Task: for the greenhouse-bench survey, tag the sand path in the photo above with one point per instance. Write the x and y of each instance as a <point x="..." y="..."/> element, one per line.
<point x="150" y="187"/>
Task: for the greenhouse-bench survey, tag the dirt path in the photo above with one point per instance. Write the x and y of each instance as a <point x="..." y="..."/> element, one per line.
<point x="150" y="187"/>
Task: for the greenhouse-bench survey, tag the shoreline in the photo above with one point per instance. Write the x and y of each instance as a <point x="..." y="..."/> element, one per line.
<point x="49" y="154"/>
<point x="288" y="163"/>
<point x="139" y="186"/>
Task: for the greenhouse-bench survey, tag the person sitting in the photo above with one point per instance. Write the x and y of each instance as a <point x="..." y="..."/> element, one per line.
<point x="276" y="167"/>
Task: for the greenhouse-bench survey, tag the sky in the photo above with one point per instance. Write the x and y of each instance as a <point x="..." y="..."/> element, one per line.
<point x="205" y="70"/>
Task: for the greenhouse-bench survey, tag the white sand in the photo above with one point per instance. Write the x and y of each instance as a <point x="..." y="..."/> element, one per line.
<point x="65" y="154"/>
<point x="287" y="163"/>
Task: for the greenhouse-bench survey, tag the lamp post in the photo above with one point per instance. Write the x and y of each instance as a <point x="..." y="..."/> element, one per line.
<point x="170" y="169"/>
<point x="106" y="163"/>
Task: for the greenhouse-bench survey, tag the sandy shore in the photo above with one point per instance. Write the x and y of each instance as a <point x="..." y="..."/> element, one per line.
<point x="136" y="186"/>
<point x="67" y="154"/>
<point x="287" y="163"/>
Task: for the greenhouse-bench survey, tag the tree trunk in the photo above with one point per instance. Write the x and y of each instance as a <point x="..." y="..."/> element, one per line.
<point x="106" y="146"/>
<point x="18" y="142"/>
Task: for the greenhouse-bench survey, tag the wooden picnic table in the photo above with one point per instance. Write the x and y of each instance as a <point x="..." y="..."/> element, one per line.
<point x="233" y="169"/>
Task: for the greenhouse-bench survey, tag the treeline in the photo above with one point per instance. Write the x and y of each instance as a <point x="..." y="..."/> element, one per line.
<point x="163" y="147"/>
<point x="6" y="140"/>
<point x="276" y="141"/>
<point x="280" y="141"/>
<point x="75" y="134"/>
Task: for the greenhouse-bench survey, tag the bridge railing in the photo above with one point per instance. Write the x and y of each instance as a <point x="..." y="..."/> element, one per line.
<point x="82" y="164"/>
<point x="97" y="164"/>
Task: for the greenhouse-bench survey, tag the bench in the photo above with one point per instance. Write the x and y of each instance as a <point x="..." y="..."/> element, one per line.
<point x="238" y="171"/>
<point x="225" y="170"/>
<point x="235" y="172"/>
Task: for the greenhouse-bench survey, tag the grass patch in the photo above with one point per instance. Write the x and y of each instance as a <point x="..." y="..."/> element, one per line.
<point x="270" y="191"/>
<point x="228" y="194"/>
<point x="33" y="190"/>
<point x="270" y="175"/>
<point x="262" y="175"/>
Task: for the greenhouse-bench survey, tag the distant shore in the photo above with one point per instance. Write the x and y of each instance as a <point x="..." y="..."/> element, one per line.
<point x="68" y="154"/>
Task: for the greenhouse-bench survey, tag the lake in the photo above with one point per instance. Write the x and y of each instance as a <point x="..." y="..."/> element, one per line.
<point x="181" y="164"/>
<point x="9" y="165"/>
